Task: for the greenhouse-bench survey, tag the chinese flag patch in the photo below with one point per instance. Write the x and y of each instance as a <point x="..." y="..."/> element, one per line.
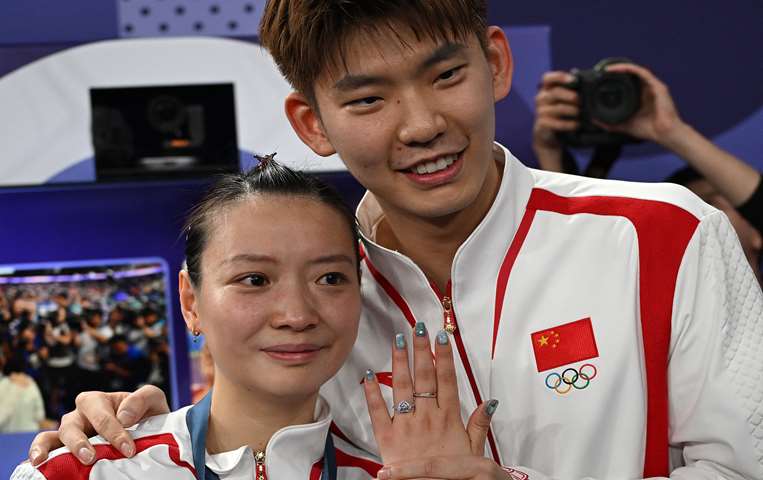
<point x="564" y="344"/>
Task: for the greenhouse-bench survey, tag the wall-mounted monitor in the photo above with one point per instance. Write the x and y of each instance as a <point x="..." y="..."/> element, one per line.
<point x="163" y="131"/>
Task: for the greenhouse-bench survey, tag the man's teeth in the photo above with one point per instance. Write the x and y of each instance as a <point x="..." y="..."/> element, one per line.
<point x="435" y="166"/>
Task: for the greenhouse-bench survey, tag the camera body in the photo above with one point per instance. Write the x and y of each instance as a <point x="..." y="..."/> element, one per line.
<point x="607" y="97"/>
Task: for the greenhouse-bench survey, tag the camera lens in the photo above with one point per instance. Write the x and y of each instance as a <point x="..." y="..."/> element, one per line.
<point x="615" y="98"/>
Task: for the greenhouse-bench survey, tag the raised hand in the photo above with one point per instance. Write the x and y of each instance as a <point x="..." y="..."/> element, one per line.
<point x="557" y="109"/>
<point x="426" y="424"/>
<point x="657" y="120"/>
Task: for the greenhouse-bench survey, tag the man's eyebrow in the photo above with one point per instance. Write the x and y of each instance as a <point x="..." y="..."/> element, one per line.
<point x="443" y="53"/>
<point x="353" y="82"/>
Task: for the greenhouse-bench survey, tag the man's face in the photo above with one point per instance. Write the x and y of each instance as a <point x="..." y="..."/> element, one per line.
<point x="415" y="123"/>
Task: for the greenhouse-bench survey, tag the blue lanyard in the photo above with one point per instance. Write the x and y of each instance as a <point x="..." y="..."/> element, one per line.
<point x="197" y="420"/>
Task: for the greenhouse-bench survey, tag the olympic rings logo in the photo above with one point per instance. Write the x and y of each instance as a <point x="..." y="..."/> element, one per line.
<point x="571" y="378"/>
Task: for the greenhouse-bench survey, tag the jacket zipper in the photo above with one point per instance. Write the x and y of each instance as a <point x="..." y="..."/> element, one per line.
<point x="259" y="460"/>
<point x="449" y="319"/>
<point x="449" y="324"/>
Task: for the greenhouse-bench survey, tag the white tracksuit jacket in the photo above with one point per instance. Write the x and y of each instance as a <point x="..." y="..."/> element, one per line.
<point x="640" y="292"/>
<point x="165" y="451"/>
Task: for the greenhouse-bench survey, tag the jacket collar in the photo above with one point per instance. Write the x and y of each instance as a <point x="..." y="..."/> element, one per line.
<point x="489" y="240"/>
<point x="291" y="452"/>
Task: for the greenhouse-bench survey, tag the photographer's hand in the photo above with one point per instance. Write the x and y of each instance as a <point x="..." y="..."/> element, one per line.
<point x="657" y="120"/>
<point x="556" y="110"/>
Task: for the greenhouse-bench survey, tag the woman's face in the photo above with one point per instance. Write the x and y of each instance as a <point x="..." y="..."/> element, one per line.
<point x="279" y="297"/>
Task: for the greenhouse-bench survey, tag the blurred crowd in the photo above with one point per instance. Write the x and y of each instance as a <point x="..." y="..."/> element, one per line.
<point x="60" y="339"/>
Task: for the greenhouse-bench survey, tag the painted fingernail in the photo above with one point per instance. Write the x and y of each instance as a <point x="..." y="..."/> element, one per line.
<point x="85" y="455"/>
<point x="421" y="329"/>
<point x="127" y="449"/>
<point x="34" y="455"/>
<point x="370" y="375"/>
<point x="442" y="337"/>
<point x="384" y="474"/>
<point x="400" y="341"/>
<point x="126" y="418"/>
<point x="492" y="405"/>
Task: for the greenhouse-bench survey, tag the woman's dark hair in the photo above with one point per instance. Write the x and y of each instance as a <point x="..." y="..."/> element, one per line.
<point x="268" y="177"/>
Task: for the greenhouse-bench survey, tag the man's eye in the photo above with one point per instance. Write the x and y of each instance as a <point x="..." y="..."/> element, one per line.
<point x="448" y="74"/>
<point x="255" y="280"/>
<point x="332" y="278"/>
<point x="365" y="101"/>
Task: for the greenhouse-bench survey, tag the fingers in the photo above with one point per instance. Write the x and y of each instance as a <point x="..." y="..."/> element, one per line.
<point x="99" y="411"/>
<point x="559" y="110"/>
<point x="402" y="385"/>
<point x="479" y="424"/>
<point x="554" y="95"/>
<point x="377" y="408"/>
<point x="72" y="434"/>
<point x="444" y="468"/>
<point x="447" y="386"/>
<point x="556" y="78"/>
<point x="147" y="401"/>
<point x="423" y="366"/>
<point x="42" y="444"/>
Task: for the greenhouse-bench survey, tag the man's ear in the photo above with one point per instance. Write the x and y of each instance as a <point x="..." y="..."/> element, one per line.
<point x="501" y="62"/>
<point x="188" y="302"/>
<point x="307" y="124"/>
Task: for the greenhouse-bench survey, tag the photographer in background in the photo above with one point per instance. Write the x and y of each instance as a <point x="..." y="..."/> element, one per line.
<point x="657" y="120"/>
<point x="715" y="175"/>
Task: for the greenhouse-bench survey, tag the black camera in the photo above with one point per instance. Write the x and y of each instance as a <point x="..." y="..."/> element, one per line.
<point x="608" y="97"/>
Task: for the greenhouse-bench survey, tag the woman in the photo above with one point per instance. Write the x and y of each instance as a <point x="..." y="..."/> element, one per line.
<point x="272" y="281"/>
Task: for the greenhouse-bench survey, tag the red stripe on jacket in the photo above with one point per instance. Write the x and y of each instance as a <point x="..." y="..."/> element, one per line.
<point x="66" y="466"/>
<point x="660" y="257"/>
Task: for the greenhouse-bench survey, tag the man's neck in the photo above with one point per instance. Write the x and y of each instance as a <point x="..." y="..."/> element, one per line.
<point x="240" y="416"/>
<point x="432" y="243"/>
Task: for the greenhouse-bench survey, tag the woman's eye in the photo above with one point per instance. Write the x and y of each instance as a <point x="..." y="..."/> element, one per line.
<point x="333" y="278"/>
<point x="255" y="280"/>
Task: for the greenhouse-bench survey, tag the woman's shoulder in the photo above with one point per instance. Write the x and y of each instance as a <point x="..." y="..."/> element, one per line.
<point x="162" y="450"/>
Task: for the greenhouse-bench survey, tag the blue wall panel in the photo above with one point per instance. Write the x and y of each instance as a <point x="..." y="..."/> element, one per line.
<point x="57" y="21"/>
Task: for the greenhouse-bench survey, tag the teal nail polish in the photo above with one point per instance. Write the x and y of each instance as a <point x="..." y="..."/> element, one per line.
<point x="442" y="337"/>
<point x="492" y="405"/>
<point x="400" y="341"/>
<point x="421" y="329"/>
<point x="370" y="375"/>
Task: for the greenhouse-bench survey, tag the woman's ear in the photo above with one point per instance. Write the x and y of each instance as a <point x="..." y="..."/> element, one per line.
<point x="501" y="62"/>
<point x="306" y="122"/>
<point x="188" y="302"/>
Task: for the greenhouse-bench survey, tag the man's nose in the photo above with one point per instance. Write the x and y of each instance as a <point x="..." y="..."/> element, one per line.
<point x="421" y="121"/>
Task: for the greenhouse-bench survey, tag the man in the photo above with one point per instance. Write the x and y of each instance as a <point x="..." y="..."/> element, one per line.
<point x="603" y="315"/>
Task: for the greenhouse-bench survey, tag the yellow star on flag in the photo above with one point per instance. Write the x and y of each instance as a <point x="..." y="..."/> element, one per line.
<point x="543" y="340"/>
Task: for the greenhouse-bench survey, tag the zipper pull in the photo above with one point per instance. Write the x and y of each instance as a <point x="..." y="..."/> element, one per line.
<point x="259" y="460"/>
<point x="447" y="307"/>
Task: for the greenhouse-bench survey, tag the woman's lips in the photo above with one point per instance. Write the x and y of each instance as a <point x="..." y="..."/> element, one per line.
<point x="293" y="352"/>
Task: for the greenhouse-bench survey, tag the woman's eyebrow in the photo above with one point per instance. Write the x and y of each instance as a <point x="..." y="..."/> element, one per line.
<point x="250" y="258"/>
<point x="338" y="258"/>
